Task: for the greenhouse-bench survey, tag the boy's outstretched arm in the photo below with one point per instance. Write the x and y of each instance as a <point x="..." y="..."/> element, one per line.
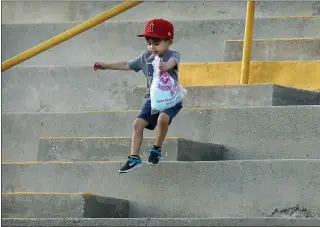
<point x="112" y="66"/>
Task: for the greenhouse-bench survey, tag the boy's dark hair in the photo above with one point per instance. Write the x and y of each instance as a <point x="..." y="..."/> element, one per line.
<point x="155" y="39"/>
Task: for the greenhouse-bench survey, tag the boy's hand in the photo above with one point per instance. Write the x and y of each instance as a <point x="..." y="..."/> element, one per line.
<point x="163" y="66"/>
<point x="168" y="65"/>
<point x="98" y="65"/>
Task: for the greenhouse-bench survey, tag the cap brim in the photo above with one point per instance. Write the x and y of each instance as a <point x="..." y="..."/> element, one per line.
<point x="153" y="36"/>
<point x="141" y="35"/>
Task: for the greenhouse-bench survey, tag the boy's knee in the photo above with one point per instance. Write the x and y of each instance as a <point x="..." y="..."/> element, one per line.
<point x="139" y="124"/>
<point x="163" y="119"/>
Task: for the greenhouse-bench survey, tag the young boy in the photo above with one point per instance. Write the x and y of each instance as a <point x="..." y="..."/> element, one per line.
<point x="159" y="36"/>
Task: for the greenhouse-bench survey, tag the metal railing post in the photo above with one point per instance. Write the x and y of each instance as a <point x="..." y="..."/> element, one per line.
<point x="247" y="44"/>
<point x="68" y="34"/>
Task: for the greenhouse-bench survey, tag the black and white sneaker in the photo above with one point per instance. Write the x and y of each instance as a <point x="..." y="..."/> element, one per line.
<point x="131" y="164"/>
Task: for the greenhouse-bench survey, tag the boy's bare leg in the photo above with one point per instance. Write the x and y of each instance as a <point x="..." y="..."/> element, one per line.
<point x="134" y="160"/>
<point x="137" y="137"/>
<point x="162" y="130"/>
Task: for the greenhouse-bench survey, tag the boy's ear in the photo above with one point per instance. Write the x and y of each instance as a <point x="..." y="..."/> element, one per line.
<point x="170" y="41"/>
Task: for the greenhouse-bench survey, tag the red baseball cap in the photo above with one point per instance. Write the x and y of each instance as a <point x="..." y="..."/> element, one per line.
<point x="158" y="28"/>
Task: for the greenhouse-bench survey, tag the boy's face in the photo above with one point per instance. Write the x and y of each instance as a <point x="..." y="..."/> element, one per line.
<point x="158" y="46"/>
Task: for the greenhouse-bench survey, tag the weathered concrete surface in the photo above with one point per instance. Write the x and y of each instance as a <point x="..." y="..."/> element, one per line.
<point x="65" y="11"/>
<point x="252" y="188"/>
<point x="236" y="96"/>
<point x="167" y="222"/>
<point x="70" y="89"/>
<point x="118" y="148"/>
<point x="75" y="205"/>
<point x="247" y="133"/>
<point x="291" y="96"/>
<point x="274" y="50"/>
<point x="106" y="41"/>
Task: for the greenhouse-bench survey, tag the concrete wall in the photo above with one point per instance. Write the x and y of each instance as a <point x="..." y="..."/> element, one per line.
<point x="41" y="11"/>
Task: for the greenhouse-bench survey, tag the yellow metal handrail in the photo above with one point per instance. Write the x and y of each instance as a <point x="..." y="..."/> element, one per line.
<point x="68" y="34"/>
<point x="247" y="44"/>
<point x="246" y="57"/>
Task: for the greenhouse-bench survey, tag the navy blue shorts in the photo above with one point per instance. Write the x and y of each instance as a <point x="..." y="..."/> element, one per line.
<point x="153" y="119"/>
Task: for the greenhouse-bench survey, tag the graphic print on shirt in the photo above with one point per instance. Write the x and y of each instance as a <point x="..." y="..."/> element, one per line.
<point x="150" y="73"/>
<point x="150" y="70"/>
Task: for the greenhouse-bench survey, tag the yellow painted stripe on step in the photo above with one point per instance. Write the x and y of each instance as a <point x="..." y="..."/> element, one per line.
<point x="286" y="17"/>
<point x="110" y="111"/>
<point x="222" y="85"/>
<point x="21" y="219"/>
<point x="77" y="162"/>
<point x="61" y="162"/>
<point x="95" y="137"/>
<point x="126" y="111"/>
<point x="274" y="39"/>
<point x="48" y="193"/>
<point x="218" y="85"/>
<point x="296" y="74"/>
<point x="35" y="162"/>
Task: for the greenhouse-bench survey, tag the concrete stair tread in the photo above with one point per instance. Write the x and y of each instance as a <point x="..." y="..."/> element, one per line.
<point x="210" y="33"/>
<point x="241" y="188"/>
<point x="144" y="20"/>
<point x="61" y="88"/>
<point x="62" y="205"/>
<point x="237" y="96"/>
<point x="284" y="49"/>
<point x="223" y="221"/>
<point x="80" y="88"/>
<point x="118" y="148"/>
<point x="246" y="132"/>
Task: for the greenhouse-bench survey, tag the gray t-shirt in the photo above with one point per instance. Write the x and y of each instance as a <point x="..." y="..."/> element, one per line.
<point x="144" y="62"/>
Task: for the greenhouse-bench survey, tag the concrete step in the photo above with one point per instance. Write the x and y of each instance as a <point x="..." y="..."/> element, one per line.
<point x="236" y="96"/>
<point x="247" y="133"/>
<point x="284" y="73"/>
<point x="72" y="89"/>
<point x="62" y="205"/>
<point x="58" y="11"/>
<point x="118" y="148"/>
<point x="255" y="188"/>
<point x="165" y="222"/>
<point x="274" y="49"/>
<point x="105" y="42"/>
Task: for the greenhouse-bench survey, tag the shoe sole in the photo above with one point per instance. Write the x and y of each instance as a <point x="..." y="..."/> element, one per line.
<point x="150" y="163"/>
<point x="129" y="170"/>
